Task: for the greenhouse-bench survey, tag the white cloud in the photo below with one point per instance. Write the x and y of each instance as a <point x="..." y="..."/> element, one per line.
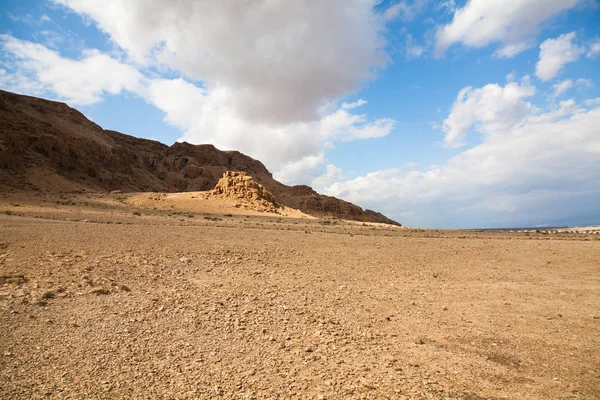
<point x="518" y="175"/>
<point x="331" y="174"/>
<point x="357" y="103"/>
<point x="305" y="169"/>
<point x="593" y="102"/>
<point x="279" y="60"/>
<point x="39" y="70"/>
<point x="511" y="50"/>
<point x="413" y="50"/>
<point x="405" y="10"/>
<point x="585" y="83"/>
<point x="489" y="109"/>
<point x="555" y="54"/>
<point x="514" y="23"/>
<point x="562" y="87"/>
<point x="594" y="49"/>
<point x="344" y="126"/>
<point x="448" y="6"/>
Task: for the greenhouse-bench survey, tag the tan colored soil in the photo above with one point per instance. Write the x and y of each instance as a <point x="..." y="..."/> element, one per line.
<point x="99" y="302"/>
<point x="202" y="202"/>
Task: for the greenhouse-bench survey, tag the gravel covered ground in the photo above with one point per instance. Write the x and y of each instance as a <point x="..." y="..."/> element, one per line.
<point x="98" y="302"/>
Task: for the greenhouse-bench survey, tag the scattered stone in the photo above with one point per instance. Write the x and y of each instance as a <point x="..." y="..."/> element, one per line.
<point x="124" y="288"/>
<point x="48" y="294"/>
<point x="15" y="279"/>
<point x="98" y="290"/>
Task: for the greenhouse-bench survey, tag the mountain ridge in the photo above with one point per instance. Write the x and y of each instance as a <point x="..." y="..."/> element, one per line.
<point x="48" y="146"/>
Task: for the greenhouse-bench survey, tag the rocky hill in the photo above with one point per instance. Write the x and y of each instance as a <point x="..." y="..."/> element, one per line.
<point x="49" y="146"/>
<point x="245" y="191"/>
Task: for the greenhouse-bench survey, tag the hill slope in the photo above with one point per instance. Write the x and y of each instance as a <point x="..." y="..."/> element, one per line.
<point x="49" y="146"/>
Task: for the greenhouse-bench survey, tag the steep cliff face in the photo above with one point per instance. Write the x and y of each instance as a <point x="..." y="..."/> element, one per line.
<point x="48" y="146"/>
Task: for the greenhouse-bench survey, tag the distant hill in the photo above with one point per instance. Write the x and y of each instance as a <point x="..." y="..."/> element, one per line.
<point x="49" y="146"/>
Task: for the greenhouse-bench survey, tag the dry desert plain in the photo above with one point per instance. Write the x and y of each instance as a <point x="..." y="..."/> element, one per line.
<point x="114" y="296"/>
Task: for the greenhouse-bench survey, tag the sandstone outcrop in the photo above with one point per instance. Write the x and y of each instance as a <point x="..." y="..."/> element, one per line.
<point x="245" y="191"/>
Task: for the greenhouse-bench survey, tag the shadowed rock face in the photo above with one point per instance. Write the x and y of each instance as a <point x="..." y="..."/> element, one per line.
<point x="48" y="146"/>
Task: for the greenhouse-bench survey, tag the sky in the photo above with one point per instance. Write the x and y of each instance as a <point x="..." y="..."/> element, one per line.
<point x="448" y="114"/>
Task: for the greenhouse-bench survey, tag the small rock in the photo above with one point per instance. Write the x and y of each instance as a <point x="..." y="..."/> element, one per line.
<point x="48" y="294"/>
<point x="367" y="384"/>
<point x="98" y="290"/>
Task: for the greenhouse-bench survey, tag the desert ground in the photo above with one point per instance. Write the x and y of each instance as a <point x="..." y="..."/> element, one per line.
<point x="175" y="296"/>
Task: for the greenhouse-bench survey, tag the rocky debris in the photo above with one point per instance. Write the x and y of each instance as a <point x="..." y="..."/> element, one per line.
<point x="15" y="279"/>
<point x="261" y="312"/>
<point x="245" y="191"/>
<point x="19" y="289"/>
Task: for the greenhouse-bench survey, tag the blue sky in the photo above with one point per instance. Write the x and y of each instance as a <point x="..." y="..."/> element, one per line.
<point x="455" y="114"/>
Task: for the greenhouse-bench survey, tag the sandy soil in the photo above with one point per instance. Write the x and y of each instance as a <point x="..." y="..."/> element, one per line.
<point x="199" y="202"/>
<point x="105" y="298"/>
